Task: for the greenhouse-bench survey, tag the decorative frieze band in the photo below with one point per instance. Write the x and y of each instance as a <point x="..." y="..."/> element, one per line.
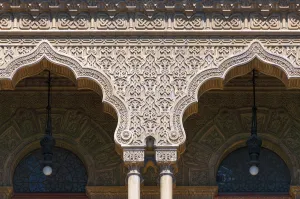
<point x="133" y="156"/>
<point x="187" y="6"/>
<point x="166" y="156"/>
<point x="140" y="21"/>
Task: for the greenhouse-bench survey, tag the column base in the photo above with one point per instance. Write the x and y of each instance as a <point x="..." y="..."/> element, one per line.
<point x="295" y="192"/>
<point x="6" y="192"/>
<point x="191" y="192"/>
<point x="100" y="192"/>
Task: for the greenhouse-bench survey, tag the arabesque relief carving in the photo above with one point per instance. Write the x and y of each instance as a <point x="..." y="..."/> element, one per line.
<point x="150" y="61"/>
<point x="151" y="84"/>
<point x="141" y="21"/>
<point x="148" y="15"/>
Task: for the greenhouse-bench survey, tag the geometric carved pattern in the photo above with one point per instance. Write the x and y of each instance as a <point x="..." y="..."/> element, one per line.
<point x="234" y="22"/>
<point x="128" y="21"/>
<point x="41" y="22"/>
<point x="120" y="22"/>
<point x="272" y="22"/>
<point x="79" y="22"/>
<point x="156" y="22"/>
<point x="150" y="81"/>
<point x="293" y="21"/>
<point x="196" y="22"/>
<point x="149" y="87"/>
<point x="255" y="49"/>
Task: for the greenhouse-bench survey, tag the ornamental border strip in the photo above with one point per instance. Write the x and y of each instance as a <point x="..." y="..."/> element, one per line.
<point x="159" y="23"/>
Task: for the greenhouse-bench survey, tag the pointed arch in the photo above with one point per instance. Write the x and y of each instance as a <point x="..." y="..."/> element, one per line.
<point x="65" y="65"/>
<point x="214" y="78"/>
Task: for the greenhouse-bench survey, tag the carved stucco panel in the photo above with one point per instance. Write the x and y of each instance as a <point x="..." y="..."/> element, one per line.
<point x="234" y="22"/>
<point x="272" y="22"/>
<point x="150" y="79"/>
<point x="196" y="22"/>
<point x="150" y="82"/>
<point x="130" y="22"/>
<point x="255" y="49"/>
<point x="41" y="22"/>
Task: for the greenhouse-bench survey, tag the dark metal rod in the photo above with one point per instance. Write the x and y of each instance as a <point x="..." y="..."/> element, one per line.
<point x="254" y="109"/>
<point x="49" y="127"/>
<point x="253" y="79"/>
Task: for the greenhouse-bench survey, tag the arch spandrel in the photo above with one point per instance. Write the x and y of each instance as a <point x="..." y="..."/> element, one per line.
<point x="22" y="66"/>
<point x="150" y="87"/>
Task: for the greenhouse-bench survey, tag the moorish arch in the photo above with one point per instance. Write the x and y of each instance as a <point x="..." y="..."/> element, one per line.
<point x="151" y="60"/>
<point x="32" y="144"/>
<point x="87" y="130"/>
<point x="233" y="174"/>
<point x="240" y="64"/>
<point x="222" y="125"/>
<point x="270" y="142"/>
<point x="28" y="64"/>
<point x="69" y="175"/>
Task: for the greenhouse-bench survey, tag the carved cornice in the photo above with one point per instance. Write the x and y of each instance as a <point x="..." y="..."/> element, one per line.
<point x="154" y="17"/>
<point x="149" y="7"/>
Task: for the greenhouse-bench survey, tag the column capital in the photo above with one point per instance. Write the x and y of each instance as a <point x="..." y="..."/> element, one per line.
<point x="133" y="170"/>
<point x="166" y="156"/>
<point x="133" y="157"/>
<point x="167" y="170"/>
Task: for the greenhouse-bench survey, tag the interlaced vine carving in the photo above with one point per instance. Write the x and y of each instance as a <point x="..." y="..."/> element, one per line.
<point x="27" y="22"/>
<point x="150" y="82"/>
<point x="272" y="22"/>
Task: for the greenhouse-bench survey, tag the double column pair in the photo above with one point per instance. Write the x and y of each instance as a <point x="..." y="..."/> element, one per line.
<point x="166" y="176"/>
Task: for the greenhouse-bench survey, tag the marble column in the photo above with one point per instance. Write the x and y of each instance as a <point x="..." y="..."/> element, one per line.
<point x="134" y="182"/>
<point x="166" y="182"/>
<point x="166" y="158"/>
<point x="134" y="160"/>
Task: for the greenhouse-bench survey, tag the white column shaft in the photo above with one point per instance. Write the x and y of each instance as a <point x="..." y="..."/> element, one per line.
<point x="134" y="184"/>
<point x="166" y="182"/>
<point x="166" y="187"/>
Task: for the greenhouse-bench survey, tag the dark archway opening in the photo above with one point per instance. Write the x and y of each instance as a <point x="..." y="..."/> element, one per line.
<point x="233" y="174"/>
<point x="81" y="123"/>
<point x="69" y="174"/>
